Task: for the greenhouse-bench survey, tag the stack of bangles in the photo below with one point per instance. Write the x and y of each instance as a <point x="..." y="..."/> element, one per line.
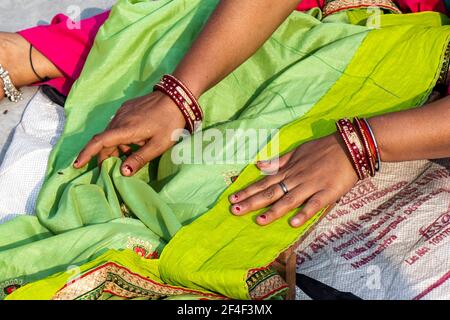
<point x="184" y="99"/>
<point x="362" y="147"/>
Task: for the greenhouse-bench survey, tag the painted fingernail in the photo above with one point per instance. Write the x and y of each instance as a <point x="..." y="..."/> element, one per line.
<point x="236" y="208"/>
<point x="234" y="198"/>
<point x="127" y="170"/>
<point x="295" y="222"/>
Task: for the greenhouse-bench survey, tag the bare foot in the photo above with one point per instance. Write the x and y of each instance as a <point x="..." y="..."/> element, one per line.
<point x="15" y="57"/>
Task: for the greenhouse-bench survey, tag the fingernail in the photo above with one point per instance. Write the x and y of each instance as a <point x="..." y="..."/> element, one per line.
<point x="76" y="163"/>
<point x="236" y="208"/>
<point x="234" y="198"/>
<point x="295" y="222"/>
<point x="263" y="217"/>
<point x="127" y="170"/>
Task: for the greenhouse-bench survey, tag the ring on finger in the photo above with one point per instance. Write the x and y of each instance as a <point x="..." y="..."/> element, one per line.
<point x="283" y="187"/>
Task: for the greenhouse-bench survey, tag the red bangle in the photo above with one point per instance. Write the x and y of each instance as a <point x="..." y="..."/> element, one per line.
<point x="365" y="140"/>
<point x="373" y="144"/>
<point x="355" y="148"/>
<point x="184" y="99"/>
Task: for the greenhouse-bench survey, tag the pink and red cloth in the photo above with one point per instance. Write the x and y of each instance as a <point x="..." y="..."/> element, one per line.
<point x="68" y="46"/>
<point x="406" y="6"/>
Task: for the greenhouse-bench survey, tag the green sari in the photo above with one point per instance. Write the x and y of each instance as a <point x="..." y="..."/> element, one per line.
<point x="308" y="74"/>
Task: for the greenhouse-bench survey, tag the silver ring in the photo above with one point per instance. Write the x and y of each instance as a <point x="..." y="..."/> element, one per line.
<point x="283" y="187"/>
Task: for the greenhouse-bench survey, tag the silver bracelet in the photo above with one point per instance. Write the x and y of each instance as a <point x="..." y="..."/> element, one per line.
<point x="11" y="92"/>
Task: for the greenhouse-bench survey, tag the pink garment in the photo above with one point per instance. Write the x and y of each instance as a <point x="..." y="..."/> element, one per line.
<point x="421" y="5"/>
<point x="66" y="44"/>
<point x="305" y="5"/>
<point x="404" y="5"/>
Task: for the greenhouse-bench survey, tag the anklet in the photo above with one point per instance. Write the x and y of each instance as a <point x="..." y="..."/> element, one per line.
<point x="11" y="92"/>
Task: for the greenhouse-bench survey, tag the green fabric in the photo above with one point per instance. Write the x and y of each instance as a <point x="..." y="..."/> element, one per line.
<point x="302" y="73"/>
<point x="83" y="213"/>
<point x="46" y="288"/>
<point x="432" y="19"/>
<point x="360" y="16"/>
<point x="218" y="249"/>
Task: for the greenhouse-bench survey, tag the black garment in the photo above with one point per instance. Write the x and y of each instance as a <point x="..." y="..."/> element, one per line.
<point x="317" y="290"/>
<point x="54" y="95"/>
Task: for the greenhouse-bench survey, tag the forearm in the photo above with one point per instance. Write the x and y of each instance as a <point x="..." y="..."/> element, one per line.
<point x="234" y="32"/>
<point x="422" y="133"/>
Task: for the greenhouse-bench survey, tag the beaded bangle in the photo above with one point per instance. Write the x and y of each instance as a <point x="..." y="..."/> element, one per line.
<point x="11" y="92"/>
<point x="355" y="148"/>
<point x="365" y="140"/>
<point x="183" y="98"/>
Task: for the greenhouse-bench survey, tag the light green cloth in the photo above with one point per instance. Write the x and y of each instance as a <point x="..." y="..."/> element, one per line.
<point x="81" y="212"/>
<point x="303" y="72"/>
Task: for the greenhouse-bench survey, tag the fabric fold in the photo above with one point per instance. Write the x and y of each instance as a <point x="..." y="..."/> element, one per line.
<point x="344" y="70"/>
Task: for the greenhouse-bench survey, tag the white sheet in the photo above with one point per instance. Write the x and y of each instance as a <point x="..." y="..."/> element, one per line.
<point x="389" y="238"/>
<point x="23" y="167"/>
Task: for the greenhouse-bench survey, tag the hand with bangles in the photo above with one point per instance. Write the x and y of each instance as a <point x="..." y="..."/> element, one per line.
<point x="134" y="123"/>
<point x="150" y="121"/>
<point x="317" y="173"/>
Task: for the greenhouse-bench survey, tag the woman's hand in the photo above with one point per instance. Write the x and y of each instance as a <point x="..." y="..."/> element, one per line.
<point x="317" y="174"/>
<point x="147" y="121"/>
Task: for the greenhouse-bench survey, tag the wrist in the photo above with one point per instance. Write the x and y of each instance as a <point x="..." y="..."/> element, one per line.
<point x="196" y="85"/>
<point x="172" y="109"/>
<point x="183" y="98"/>
<point x="361" y="146"/>
<point x="377" y="124"/>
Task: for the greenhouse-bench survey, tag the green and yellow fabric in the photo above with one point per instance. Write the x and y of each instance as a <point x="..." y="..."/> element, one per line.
<point x="308" y="74"/>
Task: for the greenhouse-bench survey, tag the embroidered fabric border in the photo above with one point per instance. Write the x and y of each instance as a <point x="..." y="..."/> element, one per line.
<point x="334" y="6"/>
<point x="117" y="280"/>
<point x="114" y="280"/>
<point x="443" y="77"/>
<point x="265" y="284"/>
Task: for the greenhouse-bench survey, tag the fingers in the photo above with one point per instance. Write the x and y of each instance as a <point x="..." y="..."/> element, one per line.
<point x="268" y="167"/>
<point x="125" y="149"/>
<point x="288" y="202"/>
<point x="265" y="197"/>
<point x="140" y="143"/>
<point x="316" y="203"/>
<point x="108" y="143"/>
<point x="106" y="153"/>
<point x="260" y="186"/>
<point x="274" y="165"/>
<point x="107" y="139"/>
<point x="284" y="203"/>
<point x="259" y="200"/>
<point x="141" y="157"/>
